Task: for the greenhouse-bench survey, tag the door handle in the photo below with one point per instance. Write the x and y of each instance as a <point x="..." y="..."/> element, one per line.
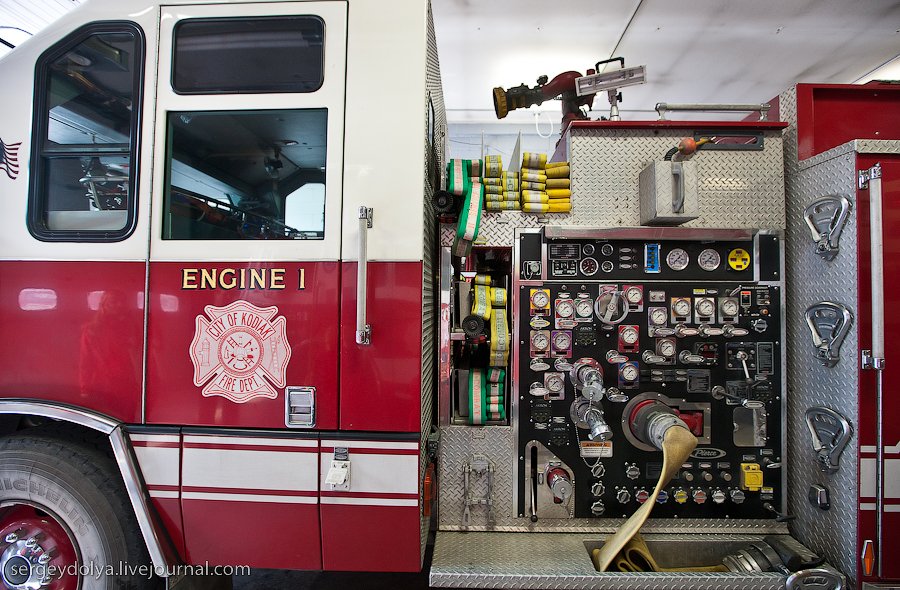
<point x="363" y="329"/>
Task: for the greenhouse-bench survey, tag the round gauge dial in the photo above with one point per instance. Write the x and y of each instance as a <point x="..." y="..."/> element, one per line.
<point x="709" y="259"/>
<point x="554" y="383"/>
<point x="606" y="249"/>
<point x="682" y="307"/>
<point x="588" y="249"/>
<point x="588" y="266"/>
<point x="540" y="341"/>
<point x="706" y="307"/>
<point x="666" y="347"/>
<point x="730" y="307"/>
<point x="658" y="316"/>
<point x="562" y="341"/>
<point x="634" y="295"/>
<point x="607" y="266"/>
<point x="565" y="308"/>
<point x="584" y="307"/>
<point x="540" y="299"/>
<point x="629" y="335"/>
<point x="629" y="372"/>
<point x="677" y="259"/>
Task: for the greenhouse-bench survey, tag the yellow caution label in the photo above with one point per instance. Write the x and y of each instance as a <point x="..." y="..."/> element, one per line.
<point x="738" y="259"/>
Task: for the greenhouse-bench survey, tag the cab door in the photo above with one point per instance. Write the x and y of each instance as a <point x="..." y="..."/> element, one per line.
<point x="246" y="231"/>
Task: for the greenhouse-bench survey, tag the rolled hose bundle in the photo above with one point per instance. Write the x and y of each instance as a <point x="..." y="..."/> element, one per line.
<point x="493" y="166"/>
<point x="469" y="220"/>
<point x="503" y="205"/>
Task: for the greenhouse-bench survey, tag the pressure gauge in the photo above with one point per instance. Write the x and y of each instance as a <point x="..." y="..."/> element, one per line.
<point x="584" y="308"/>
<point x="706" y="307"/>
<point x="565" y="308"/>
<point x="540" y="299"/>
<point x="730" y="307"/>
<point x="554" y="382"/>
<point x="540" y="341"/>
<point x="606" y="249"/>
<point x="681" y="307"/>
<point x="677" y="259"/>
<point x="666" y="347"/>
<point x="709" y="259"/>
<point x="629" y="372"/>
<point x="588" y="249"/>
<point x="629" y="335"/>
<point x="562" y="341"/>
<point x="588" y="266"/>
<point x="607" y="266"/>
<point x="634" y="295"/>
<point x="658" y="316"/>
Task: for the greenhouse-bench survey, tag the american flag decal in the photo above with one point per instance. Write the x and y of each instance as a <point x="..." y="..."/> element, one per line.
<point x="9" y="158"/>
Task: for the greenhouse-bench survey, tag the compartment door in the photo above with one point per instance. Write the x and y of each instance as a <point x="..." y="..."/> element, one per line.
<point x="246" y="235"/>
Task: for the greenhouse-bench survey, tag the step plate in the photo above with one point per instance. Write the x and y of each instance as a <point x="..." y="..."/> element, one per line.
<point x="562" y="561"/>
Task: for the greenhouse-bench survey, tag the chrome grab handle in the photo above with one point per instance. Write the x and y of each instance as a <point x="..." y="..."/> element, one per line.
<point x="363" y="329"/>
<point x="826" y="218"/>
<point x="663" y="107"/>
<point x="828" y="323"/>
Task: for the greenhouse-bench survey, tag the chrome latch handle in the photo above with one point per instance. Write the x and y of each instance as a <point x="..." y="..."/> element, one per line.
<point x="830" y="434"/>
<point x="814" y="579"/>
<point x="363" y="329"/>
<point x="826" y="218"/>
<point x="829" y="323"/>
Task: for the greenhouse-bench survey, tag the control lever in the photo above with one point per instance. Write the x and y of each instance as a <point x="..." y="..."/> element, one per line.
<point x="651" y="358"/>
<point x="779" y="517"/>
<point x="682" y="331"/>
<point x="687" y="358"/>
<point x="743" y="356"/>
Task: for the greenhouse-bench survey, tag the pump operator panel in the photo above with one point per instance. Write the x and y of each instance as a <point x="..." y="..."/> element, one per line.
<point x="610" y="321"/>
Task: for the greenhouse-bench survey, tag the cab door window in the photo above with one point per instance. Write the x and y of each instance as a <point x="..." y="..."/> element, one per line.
<point x="87" y="111"/>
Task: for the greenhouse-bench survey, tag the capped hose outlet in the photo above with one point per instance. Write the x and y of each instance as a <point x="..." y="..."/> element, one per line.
<point x="650" y="420"/>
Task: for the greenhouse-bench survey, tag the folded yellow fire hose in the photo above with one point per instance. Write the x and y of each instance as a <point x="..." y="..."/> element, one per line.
<point x="493" y="166"/>
<point x="626" y="549"/>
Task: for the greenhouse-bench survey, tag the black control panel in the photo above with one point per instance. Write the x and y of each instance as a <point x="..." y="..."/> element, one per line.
<point x="691" y="323"/>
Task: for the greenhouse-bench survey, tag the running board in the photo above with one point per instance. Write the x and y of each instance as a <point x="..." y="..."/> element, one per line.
<point x="562" y="561"/>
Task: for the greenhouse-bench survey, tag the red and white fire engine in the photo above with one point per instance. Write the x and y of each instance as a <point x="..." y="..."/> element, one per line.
<point x="233" y="304"/>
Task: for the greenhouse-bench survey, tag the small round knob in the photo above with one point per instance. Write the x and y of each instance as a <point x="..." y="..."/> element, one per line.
<point x="597" y="508"/>
<point x="738" y="496"/>
<point x="726" y="476"/>
<point x="662" y="497"/>
<point x="632" y="471"/>
<point x="598" y="488"/>
<point x="699" y="496"/>
<point x="680" y="496"/>
<point x="687" y="476"/>
<point x="706" y="476"/>
<point x="718" y="496"/>
<point x="623" y="496"/>
<point x="642" y="495"/>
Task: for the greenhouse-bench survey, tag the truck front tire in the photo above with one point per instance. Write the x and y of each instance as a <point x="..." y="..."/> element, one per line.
<point x="65" y="517"/>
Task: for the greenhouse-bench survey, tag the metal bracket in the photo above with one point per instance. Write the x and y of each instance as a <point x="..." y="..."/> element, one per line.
<point x="814" y="579"/>
<point x="300" y="407"/>
<point x="867" y="361"/>
<point x="830" y="434"/>
<point x="826" y="218"/>
<point x="829" y="323"/>
<point x="864" y="176"/>
<point x="478" y="465"/>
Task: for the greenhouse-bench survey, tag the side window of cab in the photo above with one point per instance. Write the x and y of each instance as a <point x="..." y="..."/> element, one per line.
<point x="88" y="90"/>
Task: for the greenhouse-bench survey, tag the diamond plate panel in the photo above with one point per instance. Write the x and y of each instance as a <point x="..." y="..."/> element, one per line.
<point x="434" y="91"/>
<point x="859" y="146"/>
<point x="811" y="279"/>
<point x="605" y="165"/>
<point x="458" y="443"/>
<point x="561" y="561"/>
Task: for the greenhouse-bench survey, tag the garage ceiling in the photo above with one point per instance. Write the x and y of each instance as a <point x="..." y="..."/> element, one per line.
<point x="698" y="51"/>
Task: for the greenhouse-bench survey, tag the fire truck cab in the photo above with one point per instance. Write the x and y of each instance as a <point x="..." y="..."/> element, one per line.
<point x="202" y="197"/>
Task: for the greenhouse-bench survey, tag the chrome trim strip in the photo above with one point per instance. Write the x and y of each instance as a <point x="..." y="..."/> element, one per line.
<point x="59" y="411"/>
